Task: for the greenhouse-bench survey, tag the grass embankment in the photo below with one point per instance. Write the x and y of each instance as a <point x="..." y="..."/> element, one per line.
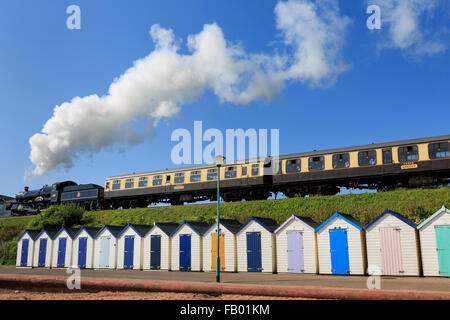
<point x="416" y="205"/>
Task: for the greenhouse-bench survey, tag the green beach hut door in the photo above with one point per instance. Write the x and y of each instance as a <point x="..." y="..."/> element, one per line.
<point x="443" y="249"/>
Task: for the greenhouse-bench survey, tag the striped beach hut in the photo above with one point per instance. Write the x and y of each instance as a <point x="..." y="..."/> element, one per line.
<point x="105" y="247"/>
<point x="130" y="246"/>
<point x="227" y="246"/>
<point x="83" y="248"/>
<point x="341" y="246"/>
<point x="435" y="244"/>
<point x="187" y="246"/>
<point x="43" y="246"/>
<point x="297" y="245"/>
<point x="256" y="245"/>
<point x="25" y="248"/>
<point x="62" y="247"/>
<point x="393" y="245"/>
<point x="158" y="246"/>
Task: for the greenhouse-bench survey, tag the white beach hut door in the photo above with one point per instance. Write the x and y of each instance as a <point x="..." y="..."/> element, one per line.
<point x="104" y="252"/>
<point x="295" y="251"/>
<point x="391" y="252"/>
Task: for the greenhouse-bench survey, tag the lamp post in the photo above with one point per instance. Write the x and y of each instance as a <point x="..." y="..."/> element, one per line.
<point x="219" y="161"/>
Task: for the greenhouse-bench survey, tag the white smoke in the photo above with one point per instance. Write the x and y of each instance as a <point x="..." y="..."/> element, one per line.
<point x="158" y="85"/>
<point x="406" y="24"/>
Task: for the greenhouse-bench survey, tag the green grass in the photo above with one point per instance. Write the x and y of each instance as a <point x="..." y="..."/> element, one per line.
<point x="415" y="204"/>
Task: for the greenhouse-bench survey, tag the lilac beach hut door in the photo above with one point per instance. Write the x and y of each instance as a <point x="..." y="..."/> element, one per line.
<point x="295" y="251"/>
<point x="391" y="253"/>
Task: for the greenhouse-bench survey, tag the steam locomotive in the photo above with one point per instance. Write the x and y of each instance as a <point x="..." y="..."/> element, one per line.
<point x="30" y="202"/>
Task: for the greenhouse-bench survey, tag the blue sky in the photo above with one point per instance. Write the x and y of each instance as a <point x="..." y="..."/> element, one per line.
<point x="391" y="89"/>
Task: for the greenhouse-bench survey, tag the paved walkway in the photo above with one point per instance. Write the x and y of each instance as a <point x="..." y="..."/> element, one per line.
<point x="414" y="284"/>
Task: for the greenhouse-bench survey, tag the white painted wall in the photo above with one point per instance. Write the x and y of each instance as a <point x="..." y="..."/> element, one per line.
<point x="408" y="243"/>
<point x="112" y="260"/>
<point x="89" y="249"/>
<point x="309" y="246"/>
<point x="196" y="249"/>
<point x="30" y="250"/>
<point x="165" y="249"/>
<point x="230" y="249"/>
<point x="48" y="253"/>
<point x="268" y="248"/>
<point x="429" y="245"/>
<point x="138" y="247"/>
<point x="356" y="247"/>
<point x="68" y="256"/>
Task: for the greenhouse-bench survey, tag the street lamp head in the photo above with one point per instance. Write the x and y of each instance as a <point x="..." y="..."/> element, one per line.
<point x="219" y="160"/>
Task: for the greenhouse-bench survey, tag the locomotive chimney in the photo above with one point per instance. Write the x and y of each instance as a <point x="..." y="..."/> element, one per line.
<point x="25" y="189"/>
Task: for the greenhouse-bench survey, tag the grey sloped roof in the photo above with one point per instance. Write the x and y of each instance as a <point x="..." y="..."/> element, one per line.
<point x="115" y="230"/>
<point x="92" y="231"/>
<point x="141" y="229"/>
<point x="33" y="233"/>
<point x="269" y="224"/>
<point x="231" y="224"/>
<point x="167" y="227"/>
<point x="350" y="218"/>
<point x="51" y="232"/>
<point x="72" y="231"/>
<point x="197" y="226"/>
<point x="308" y="221"/>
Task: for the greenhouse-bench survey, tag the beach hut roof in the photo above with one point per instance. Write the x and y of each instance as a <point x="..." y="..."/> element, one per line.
<point x="395" y="214"/>
<point x="230" y="224"/>
<point x="434" y="215"/>
<point x="267" y="223"/>
<point x="308" y="221"/>
<point x="166" y="227"/>
<point x="114" y="230"/>
<point x="32" y="233"/>
<point x="197" y="226"/>
<point x="343" y="216"/>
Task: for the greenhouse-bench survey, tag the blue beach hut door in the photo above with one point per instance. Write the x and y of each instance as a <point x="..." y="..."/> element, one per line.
<point x="339" y="251"/>
<point x="155" y="252"/>
<point x="42" y="252"/>
<point x="24" y="256"/>
<point x="185" y="252"/>
<point x="129" y="252"/>
<point x="62" y="253"/>
<point x="82" y="250"/>
<point x="254" y="263"/>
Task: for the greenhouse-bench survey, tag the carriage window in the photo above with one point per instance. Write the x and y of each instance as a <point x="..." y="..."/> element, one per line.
<point x="410" y="153"/>
<point x="367" y="158"/>
<point x="293" y="165"/>
<point x="230" y="172"/>
<point x="116" y="185"/>
<point x="196" y="176"/>
<point x="157" y="180"/>
<point x="341" y="160"/>
<point x="179" y="177"/>
<point x="107" y="186"/>
<point x="255" y="169"/>
<point x="143" y="181"/>
<point x="244" y="171"/>
<point x="439" y="150"/>
<point x="129" y="183"/>
<point x="316" y="163"/>
<point x="387" y="156"/>
<point x="211" y="174"/>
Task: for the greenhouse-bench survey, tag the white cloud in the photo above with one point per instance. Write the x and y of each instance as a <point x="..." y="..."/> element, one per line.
<point x="406" y="24"/>
<point x="158" y="85"/>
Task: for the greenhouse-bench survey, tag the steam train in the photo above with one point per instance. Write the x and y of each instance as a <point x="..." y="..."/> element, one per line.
<point x="384" y="166"/>
<point x="27" y="202"/>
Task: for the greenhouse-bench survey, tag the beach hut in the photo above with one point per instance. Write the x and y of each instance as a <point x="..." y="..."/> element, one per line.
<point x="157" y="247"/>
<point x="256" y="245"/>
<point x="105" y="247"/>
<point x="83" y="248"/>
<point x="341" y="246"/>
<point x="187" y="246"/>
<point x="435" y="243"/>
<point x="43" y="246"/>
<point x="227" y="246"/>
<point x="62" y="247"/>
<point x="129" y="246"/>
<point x="393" y="245"/>
<point x="25" y="248"/>
<point x="297" y="245"/>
